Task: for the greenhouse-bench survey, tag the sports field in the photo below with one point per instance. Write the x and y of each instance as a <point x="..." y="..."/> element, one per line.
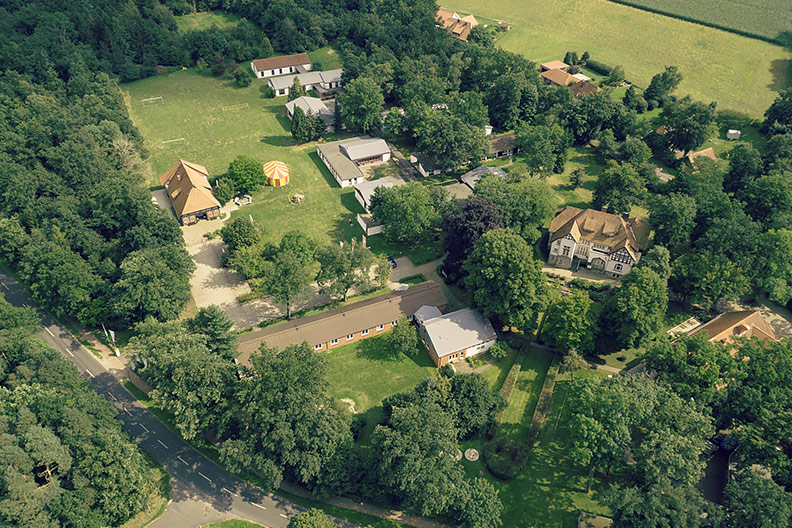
<point x="212" y="122"/>
<point x="738" y="72"/>
<point x="206" y="20"/>
<point x="767" y="18"/>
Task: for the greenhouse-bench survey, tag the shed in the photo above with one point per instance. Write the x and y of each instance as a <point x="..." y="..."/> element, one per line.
<point x="733" y="134"/>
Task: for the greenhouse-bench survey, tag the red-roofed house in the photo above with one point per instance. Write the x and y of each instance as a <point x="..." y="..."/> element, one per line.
<point x="728" y="325"/>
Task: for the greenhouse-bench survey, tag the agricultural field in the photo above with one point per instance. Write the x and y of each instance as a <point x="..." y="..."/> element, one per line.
<point x="766" y="18"/>
<point x="739" y="73"/>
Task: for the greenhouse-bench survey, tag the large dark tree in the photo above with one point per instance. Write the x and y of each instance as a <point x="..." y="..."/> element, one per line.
<point x="619" y="187"/>
<point x="410" y="213"/>
<point x="464" y="226"/>
<point x="636" y="310"/>
<point x="778" y="117"/>
<point x="689" y="123"/>
<point x="673" y="217"/>
<point x="662" y="85"/>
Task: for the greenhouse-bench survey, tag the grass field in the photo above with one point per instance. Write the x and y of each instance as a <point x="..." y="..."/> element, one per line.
<point x="516" y="418"/>
<point x="739" y="73"/>
<point x="219" y="122"/>
<point x="326" y="57"/>
<point x="365" y="373"/>
<point x="767" y="18"/>
<point x="205" y="20"/>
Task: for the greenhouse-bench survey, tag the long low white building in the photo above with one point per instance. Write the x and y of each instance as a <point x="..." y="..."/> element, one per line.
<point x="344" y="158"/>
<point x="281" y="65"/>
<point x="323" y="83"/>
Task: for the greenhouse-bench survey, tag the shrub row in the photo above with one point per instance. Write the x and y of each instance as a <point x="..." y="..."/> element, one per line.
<point x="511" y="378"/>
<point x="599" y="67"/>
<point x="583" y="284"/>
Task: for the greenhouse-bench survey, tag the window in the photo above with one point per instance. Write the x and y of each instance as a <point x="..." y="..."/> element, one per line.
<point x="334" y="341"/>
<point x="394" y="323"/>
<point x="565" y="252"/>
<point x="617" y="267"/>
<point x="380" y="327"/>
<point x="350" y="337"/>
<point x="364" y="332"/>
<point x="318" y="347"/>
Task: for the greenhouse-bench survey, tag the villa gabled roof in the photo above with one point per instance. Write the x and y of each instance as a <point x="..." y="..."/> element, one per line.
<point x="188" y="187"/>
<point x="742" y="323"/>
<point x="601" y="228"/>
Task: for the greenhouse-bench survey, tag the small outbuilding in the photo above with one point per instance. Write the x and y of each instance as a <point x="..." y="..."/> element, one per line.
<point x="733" y="134"/>
<point x="277" y="173"/>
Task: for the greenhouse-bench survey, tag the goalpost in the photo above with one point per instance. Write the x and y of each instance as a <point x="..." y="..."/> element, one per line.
<point x="151" y="100"/>
<point x="171" y="141"/>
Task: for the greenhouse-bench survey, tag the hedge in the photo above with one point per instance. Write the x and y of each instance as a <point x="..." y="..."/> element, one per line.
<point x="599" y="67"/>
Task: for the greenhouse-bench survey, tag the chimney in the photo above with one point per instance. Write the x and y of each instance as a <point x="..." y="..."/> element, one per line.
<point x="604" y="209"/>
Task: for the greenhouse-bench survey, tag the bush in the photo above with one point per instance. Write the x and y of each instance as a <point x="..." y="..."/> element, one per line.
<point x="447" y="370"/>
<point x="505" y="458"/>
<point x="224" y="190"/>
<point x="599" y="67"/>
<point x="583" y="284"/>
<point x="266" y="91"/>
<point x="242" y="78"/>
<point x="499" y="351"/>
<point x="511" y="379"/>
<point x="357" y="426"/>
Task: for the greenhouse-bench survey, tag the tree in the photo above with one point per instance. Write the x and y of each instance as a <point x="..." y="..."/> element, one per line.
<point x="288" y="274"/>
<point x="572" y="361"/>
<point x="313" y="518"/>
<point x="393" y="124"/>
<point x="505" y="280"/>
<point x="470" y="108"/>
<point x="571" y="58"/>
<point x="689" y="123"/>
<point x="706" y="279"/>
<point x="633" y="100"/>
<point x="544" y="148"/>
<point x="344" y="267"/>
<point x="301" y="128"/>
<point x="504" y="98"/>
<point x="219" y="65"/>
<point x="361" y="104"/>
<point x="569" y="324"/>
<point x="619" y="187"/>
<point x="576" y="177"/>
<point x="403" y="338"/>
<point x="479" y="505"/>
<point x="525" y="203"/>
<point x="411" y="212"/>
<point x="224" y="190"/>
<point x="753" y="499"/>
<point x="669" y="506"/>
<point x="657" y="259"/>
<point x="448" y="139"/>
<point x="769" y="200"/>
<point x="745" y="165"/>
<point x="242" y="78"/>
<point x="153" y="282"/>
<point x="773" y="273"/>
<point x="662" y="85"/>
<point x="672" y="217"/>
<point x="616" y="76"/>
<point x="464" y="226"/>
<point x="778" y="117"/>
<point x="476" y="405"/>
<point x="296" y="89"/>
<point x="636" y="310"/>
<point x="240" y="233"/>
<point x="216" y="326"/>
<point x="634" y="152"/>
<point x="246" y="173"/>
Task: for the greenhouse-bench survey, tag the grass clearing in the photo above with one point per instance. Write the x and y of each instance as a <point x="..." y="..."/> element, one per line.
<point x="738" y="72"/>
<point x="366" y="372"/>
<point x="516" y="418"/>
<point x="206" y="20"/>
<point x="327" y="58"/>
<point x="766" y="18"/>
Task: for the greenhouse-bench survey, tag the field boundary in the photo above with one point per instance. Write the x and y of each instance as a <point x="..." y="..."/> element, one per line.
<point x="692" y="20"/>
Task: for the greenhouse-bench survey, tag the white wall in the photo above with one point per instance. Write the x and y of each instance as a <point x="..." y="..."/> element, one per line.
<point x="557" y="247"/>
<point x="479" y="349"/>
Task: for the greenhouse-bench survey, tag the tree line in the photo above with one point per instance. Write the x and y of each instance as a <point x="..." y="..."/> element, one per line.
<point x="65" y="460"/>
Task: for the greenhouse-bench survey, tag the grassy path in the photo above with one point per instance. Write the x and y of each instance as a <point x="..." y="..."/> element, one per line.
<point x="517" y="416"/>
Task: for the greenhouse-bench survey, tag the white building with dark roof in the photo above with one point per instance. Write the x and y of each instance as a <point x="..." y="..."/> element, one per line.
<point x="281" y="65"/>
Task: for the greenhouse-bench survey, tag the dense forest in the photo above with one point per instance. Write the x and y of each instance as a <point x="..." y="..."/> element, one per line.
<point x="65" y="460"/>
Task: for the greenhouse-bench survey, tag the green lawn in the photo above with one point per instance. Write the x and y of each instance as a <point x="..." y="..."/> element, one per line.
<point x="516" y="418"/>
<point x="205" y="20"/>
<point x="365" y="372"/>
<point x="738" y="72"/>
<point x="326" y="57"/>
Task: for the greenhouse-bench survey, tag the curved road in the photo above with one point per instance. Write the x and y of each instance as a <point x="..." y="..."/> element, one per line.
<point x="201" y="491"/>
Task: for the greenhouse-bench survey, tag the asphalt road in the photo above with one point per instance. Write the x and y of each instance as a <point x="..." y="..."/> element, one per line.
<point x="201" y="491"/>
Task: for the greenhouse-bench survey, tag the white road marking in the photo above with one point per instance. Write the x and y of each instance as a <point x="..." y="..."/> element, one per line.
<point x="4" y="285"/>
<point x="49" y="332"/>
<point x="229" y="491"/>
<point x="258" y="505"/>
<point x="163" y="445"/>
<point x="284" y="516"/>
<point x="126" y="411"/>
<point x="204" y="476"/>
<point x="69" y="352"/>
<point x="144" y="428"/>
<point x="113" y="396"/>
<point x="182" y="460"/>
<point x="89" y="373"/>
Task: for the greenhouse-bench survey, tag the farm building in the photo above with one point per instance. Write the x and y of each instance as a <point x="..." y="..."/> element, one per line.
<point x="583" y="88"/>
<point x="281" y="65"/>
<point x="553" y="65"/>
<point x="190" y="192"/>
<point x="706" y="153"/>
<point x="343" y="158"/>
<point x="324" y="83"/>
<point x="457" y="335"/>
<point x="311" y="105"/>
<point x="558" y="77"/>
<point x="729" y="325"/>
<point x="425" y="165"/>
<point x="346" y="324"/>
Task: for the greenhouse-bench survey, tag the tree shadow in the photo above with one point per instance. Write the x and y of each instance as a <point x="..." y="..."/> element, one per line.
<point x="280" y="116"/>
<point x="781" y="70"/>
<point x="279" y="141"/>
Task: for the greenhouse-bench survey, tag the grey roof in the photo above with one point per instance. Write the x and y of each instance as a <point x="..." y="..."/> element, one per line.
<point x="365" y="148"/>
<point x="309" y="104"/>
<point x="343" y="167"/>
<point x="308" y="78"/>
<point x="426" y="312"/>
<point x="458" y="330"/>
<point x="344" y="320"/>
<point x="367" y="188"/>
<point x="429" y="163"/>
<point x="471" y="178"/>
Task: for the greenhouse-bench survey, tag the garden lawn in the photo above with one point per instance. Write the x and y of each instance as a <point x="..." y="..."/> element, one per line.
<point x="219" y="122"/>
<point x="738" y="72"/>
<point x="326" y="57"/>
<point x="206" y="20"/>
<point x="516" y="418"/>
<point x="365" y="372"/>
